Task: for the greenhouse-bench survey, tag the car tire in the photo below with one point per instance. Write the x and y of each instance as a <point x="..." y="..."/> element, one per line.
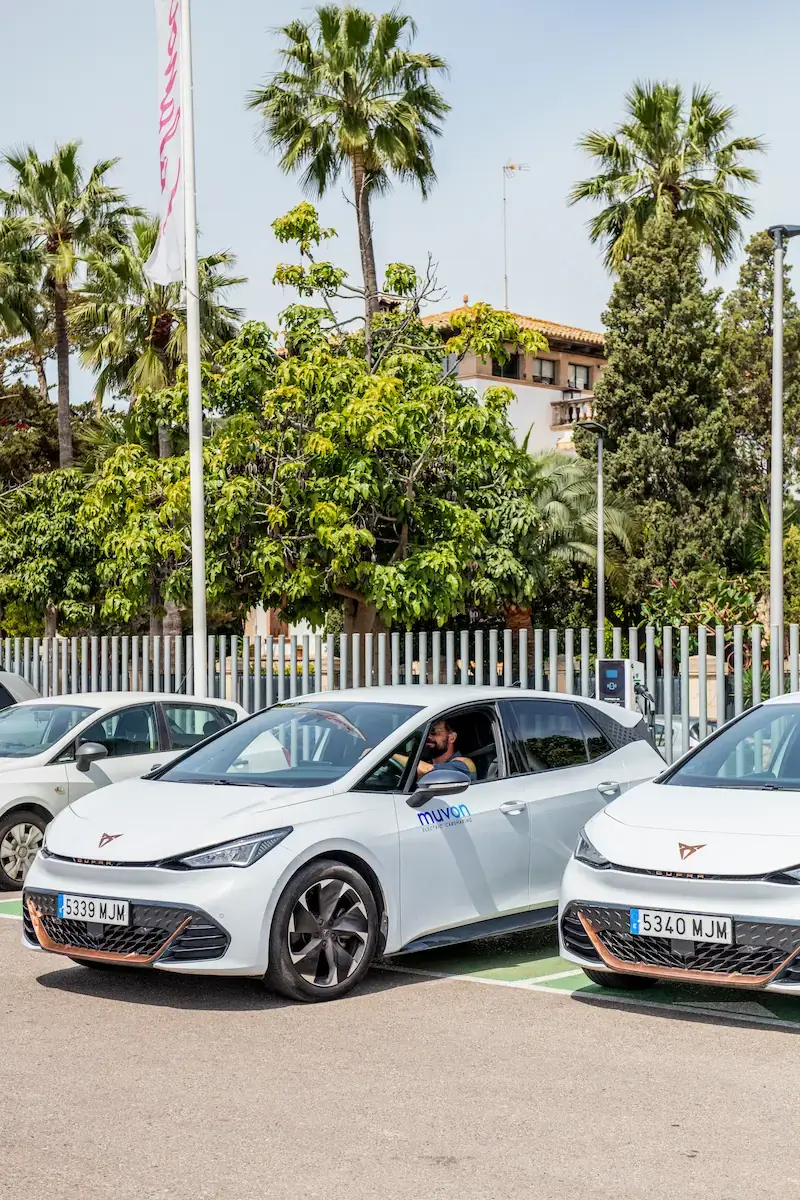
<point x="19" y="830"/>
<point x="324" y="933"/>
<point x="622" y="983"/>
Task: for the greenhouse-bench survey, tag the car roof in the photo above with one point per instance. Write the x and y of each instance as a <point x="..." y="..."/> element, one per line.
<point x="789" y="698"/>
<point x="113" y="699"/>
<point x="436" y="696"/>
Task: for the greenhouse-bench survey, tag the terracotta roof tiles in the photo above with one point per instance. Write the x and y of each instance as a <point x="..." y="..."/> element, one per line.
<point x="551" y="329"/>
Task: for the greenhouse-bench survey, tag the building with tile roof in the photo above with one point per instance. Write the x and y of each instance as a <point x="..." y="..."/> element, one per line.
<point x="552" y="390"/>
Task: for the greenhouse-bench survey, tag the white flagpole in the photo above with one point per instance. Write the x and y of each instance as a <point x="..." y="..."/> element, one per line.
<point x="195" y="383"/>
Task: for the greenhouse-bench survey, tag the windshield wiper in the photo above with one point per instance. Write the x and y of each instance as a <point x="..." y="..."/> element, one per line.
<point x="219" y="782"/>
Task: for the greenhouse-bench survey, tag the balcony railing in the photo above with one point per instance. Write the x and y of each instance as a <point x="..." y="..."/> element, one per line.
<point x="566" y="412"/>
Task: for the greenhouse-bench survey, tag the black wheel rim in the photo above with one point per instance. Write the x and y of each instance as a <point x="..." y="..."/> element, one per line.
<point x="328" y="933"/>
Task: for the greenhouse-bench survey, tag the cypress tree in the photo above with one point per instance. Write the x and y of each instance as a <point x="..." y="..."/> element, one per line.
<point x="669" y="448"/>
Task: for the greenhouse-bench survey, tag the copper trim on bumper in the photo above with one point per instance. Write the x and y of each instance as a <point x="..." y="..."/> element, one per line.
<point x="685" y="975"/>
<point x="139" y="960"/>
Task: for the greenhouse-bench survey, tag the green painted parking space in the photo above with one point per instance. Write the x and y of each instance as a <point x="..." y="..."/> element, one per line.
<point x="11" y="908"/>
<point x="530" y="960"/>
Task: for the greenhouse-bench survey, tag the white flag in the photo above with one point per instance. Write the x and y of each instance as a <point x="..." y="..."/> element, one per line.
<point x="167" y="263"/>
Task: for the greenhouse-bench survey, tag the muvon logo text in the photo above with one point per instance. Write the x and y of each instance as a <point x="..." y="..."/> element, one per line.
<point x="454" y="815"/>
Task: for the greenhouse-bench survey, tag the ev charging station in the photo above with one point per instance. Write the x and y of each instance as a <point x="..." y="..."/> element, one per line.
<point x="620" y="681"/>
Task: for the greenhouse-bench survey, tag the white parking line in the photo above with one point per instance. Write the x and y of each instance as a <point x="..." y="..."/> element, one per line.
<point x="11" y="916"/>
<point x="687" y="1008"/>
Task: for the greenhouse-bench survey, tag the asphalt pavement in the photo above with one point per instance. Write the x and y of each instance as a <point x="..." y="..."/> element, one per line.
<point x="142" y="1086"/>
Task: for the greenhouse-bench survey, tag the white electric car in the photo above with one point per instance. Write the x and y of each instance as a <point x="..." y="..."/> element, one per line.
<point x="306" y="840"/>
<point x="54" y="751"/>
<point x="696" y="875"/>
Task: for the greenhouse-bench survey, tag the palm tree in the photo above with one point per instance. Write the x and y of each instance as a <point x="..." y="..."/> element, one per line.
<point x="66" y="215"/>
<point x="133" y="331"/>
<point x="565" y="492"/>
<point x="353" y="95"/>
<point x="665" y="161"/>
<point x="25" y="315"/>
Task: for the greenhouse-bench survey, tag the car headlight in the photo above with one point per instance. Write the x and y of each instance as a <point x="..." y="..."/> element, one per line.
<point x="241" y="853"/>
<point x="585" y="852"/>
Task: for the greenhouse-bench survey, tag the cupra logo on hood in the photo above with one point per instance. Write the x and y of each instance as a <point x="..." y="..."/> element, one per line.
<point x="688" y="851"/>
<point x="108" y="837"/>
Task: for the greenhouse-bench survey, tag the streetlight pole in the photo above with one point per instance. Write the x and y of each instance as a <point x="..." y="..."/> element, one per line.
<point x="507" y="169"/>
<point x="780" y="234"/>
<point x="595" y="427"/>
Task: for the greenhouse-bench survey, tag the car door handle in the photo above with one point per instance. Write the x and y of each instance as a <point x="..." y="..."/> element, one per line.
<point x="512" y="806"/>
<point x="609" y="789"/>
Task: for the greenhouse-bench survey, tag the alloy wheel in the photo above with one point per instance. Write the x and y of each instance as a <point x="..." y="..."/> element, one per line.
<point x="328" y="932"/>
<point x="18" y="849"/>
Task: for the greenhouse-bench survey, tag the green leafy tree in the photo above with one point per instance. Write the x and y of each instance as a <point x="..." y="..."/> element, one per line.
<point x="354" y="95"/>
<point x="48" y="556"/>
<point x="667" y="159"/>
<point x="746" y="330"/>
<point x="28" y="435"/>
<point x="65" y="214"/>
<point x="669" y="448"/>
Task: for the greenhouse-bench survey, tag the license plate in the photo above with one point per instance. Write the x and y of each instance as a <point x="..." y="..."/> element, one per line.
<point x="689" y="927"/>
<point x="93" y="908"/>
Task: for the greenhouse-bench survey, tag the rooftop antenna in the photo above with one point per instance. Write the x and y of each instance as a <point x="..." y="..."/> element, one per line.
<point x="507" y="170"/>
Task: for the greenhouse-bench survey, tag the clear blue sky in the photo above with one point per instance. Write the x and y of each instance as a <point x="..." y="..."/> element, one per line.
<point x="527" y="78"/>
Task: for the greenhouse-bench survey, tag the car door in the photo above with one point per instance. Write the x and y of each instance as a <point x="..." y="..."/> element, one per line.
<point x="131" y="736"/>
<point x="466" y="860"/>
<point x="552" y="773"/>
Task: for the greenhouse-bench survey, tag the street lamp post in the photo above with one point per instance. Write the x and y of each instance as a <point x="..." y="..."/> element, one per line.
<point x="780" y="235"/>
<point x="507" y="169"/>
<point x="601" y="431"/>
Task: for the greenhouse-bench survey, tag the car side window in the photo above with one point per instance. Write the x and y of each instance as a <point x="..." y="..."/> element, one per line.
<point x="544" y="735"/>
<point x="596" y="742"/>
<point x="391" y="774"/>
<point x="189" y="724"/>
<point x="131" y="731"/>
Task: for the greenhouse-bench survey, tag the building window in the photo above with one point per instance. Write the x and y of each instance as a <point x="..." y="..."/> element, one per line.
<point x="579" y="377"/>
<point x="506" y="370"/>
<point x="544" y="369"/>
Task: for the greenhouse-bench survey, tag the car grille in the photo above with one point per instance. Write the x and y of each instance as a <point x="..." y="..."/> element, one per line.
<point x="152" y="930"/>
<point x="576" y="938"/>
<point x="760" y="947"/>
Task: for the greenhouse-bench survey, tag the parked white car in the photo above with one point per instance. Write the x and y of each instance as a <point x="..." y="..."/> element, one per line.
<point x="54" y="751"/>
<point x="334" y="827"/>
<point x="695" y="876"/>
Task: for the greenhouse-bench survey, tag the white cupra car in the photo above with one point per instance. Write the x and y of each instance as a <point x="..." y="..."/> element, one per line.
<point x="54" y="751"/>
<point x="695" y="876"/>
<point x="332" y="828"/>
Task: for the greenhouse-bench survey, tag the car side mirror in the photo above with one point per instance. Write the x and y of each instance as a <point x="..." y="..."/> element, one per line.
<point x="88" y="753"/>
<point x="436" y="785"/>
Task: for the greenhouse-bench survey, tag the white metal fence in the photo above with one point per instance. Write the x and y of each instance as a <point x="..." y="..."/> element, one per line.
<point x="698" y="676"/>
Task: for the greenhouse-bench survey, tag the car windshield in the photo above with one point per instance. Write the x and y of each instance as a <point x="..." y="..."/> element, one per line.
<point x="28" y="729"/>
<point x="293" y="744"/>
<point x="761" y="750"/>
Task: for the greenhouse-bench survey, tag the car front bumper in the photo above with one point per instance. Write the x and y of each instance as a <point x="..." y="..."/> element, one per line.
<point x="593" y="928"/>
<point x="175" y="915"/>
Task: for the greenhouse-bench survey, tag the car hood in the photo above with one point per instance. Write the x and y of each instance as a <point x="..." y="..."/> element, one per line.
<point x="148" y="820"/>
<point x="732" y="831"/>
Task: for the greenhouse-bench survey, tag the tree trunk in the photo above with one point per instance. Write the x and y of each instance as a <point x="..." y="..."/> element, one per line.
<point x="41" y="377"/>
<point x="65" y="457"/>
<point x="156" y="610"/>
<point x="369" y="273"/>
<point x="516" y="619"/>
<point x="50" y="621"/>
<point x="173" y="619"/>
<point x="164" y="442"/>
<point x="362" y="618"/>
